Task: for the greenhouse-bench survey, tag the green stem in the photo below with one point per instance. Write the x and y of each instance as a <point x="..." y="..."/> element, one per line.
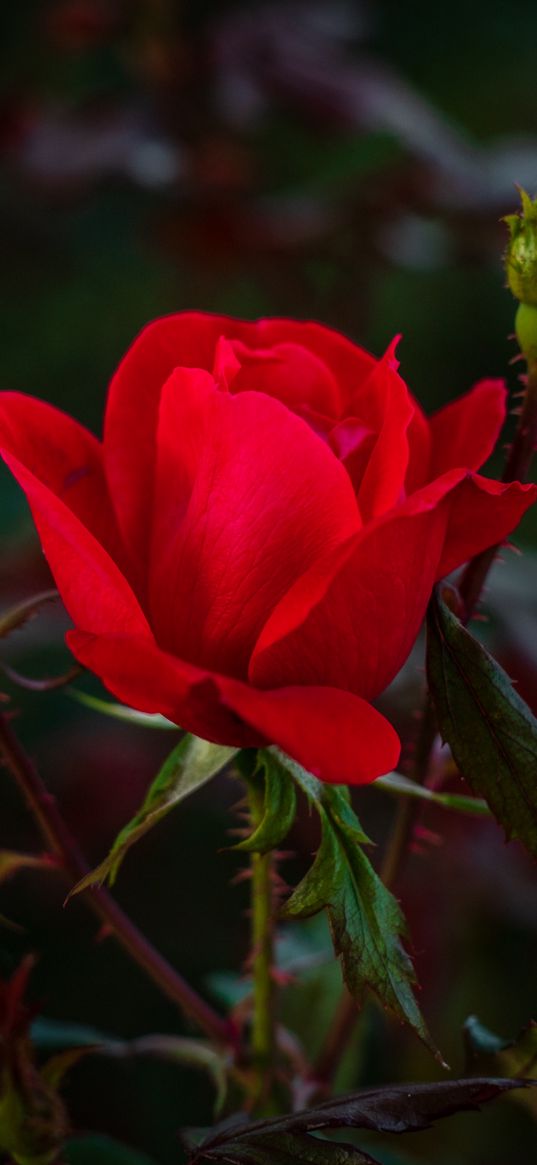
<point x="263" y="1039"/>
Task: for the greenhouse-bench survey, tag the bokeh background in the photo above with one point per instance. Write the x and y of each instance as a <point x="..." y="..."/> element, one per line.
<point x="348" y="162"/>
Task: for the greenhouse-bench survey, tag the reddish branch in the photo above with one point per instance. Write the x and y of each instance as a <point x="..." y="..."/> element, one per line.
<point x="60" y="841"/>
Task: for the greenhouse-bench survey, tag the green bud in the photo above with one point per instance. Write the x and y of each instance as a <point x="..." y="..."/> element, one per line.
<point x="526" y="330"/>
<point x="521" y="253"/>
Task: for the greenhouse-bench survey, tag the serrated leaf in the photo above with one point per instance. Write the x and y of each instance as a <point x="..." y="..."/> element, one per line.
<point x="290" y="1149"/>
<point x="189" y="766"/>
<point x="491" y="731"/>
<point x="394" y="1109"/>
<point x="279" y="806"/>
<point x="366" y="921"/>
<point x="121" y="711"/>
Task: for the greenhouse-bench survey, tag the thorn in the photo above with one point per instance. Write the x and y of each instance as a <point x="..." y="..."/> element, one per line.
<point x="105" y="931"/>
<point x="423" y="834"/>
<point x="242" y="876"/>
<point x="282" y="978"/>
<point x="515" y="549"/>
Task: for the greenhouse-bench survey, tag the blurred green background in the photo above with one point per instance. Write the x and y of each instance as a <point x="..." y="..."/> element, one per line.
<point x="348" y="162"/>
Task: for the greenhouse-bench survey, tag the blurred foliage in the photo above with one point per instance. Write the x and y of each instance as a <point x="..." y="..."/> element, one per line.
<point x="343" y="161"/>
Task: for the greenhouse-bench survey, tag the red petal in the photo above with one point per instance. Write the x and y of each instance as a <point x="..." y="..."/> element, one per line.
<point x="384" y="403"/>
<point x="419" y="448"/>
<point x="95" y="592"/>
<point x="352" y="620"/>
<point x="63" y="455"/>
<point x="335" y="735"/>
<point x="189" y="340"/>
<point x="482" y="513"/>
<point x="291" y="373"/>
<point x="247" y="497"/>
<point x="355" y="627"/>
<point x="465" y="432"/>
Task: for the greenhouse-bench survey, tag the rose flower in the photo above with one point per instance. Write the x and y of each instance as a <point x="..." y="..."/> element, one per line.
<point x="251" y="549"/>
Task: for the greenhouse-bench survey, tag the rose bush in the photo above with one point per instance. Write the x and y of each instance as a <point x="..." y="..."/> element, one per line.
<point x="251" y="549"/>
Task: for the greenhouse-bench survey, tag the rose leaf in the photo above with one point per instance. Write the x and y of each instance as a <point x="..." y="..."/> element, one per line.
<point x="491" y="731"/>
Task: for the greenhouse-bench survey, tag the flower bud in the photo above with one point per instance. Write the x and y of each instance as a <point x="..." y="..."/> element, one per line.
<point x="526" y="330"/>
<point x="521" y="253"/>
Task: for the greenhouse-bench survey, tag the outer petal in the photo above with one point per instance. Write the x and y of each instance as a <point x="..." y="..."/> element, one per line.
<point x="465" y="432"/>
<point x="247" y="498"/>
<point x="335" y="735"/>
<point x="353" y="620"/>
<point x="189" y="340"/>
<point x="355" y="627"/>
<point x="95" y="592"/>
<point x="63" y="455"/>
<point x="58" y="465"/>
<point x="482" y="514"/>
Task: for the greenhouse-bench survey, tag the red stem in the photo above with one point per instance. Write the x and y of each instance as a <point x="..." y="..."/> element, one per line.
<point x="61" y="842"/>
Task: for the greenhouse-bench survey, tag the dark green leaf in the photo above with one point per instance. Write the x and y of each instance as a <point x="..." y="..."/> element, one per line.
<point x="279" y="806"/>
<point x="394" y="1109"/>
<point x="490" y="730"/>
<point x="290" y="1148"/>
<point x="191" y="764"/>
<point x="366" y="921"/>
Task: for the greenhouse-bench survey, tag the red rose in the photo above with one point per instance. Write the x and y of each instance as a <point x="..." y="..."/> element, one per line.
<point x="251" y="549"/>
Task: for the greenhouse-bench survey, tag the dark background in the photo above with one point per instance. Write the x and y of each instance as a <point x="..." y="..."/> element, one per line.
<point x="343" y="162"/>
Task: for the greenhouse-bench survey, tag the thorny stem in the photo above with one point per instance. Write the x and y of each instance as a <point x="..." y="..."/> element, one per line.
<point x="407" y="809"/>
<point x="516" y="469"/>
<point x="263" y="1019"/>
<point x="59" y="839"/>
